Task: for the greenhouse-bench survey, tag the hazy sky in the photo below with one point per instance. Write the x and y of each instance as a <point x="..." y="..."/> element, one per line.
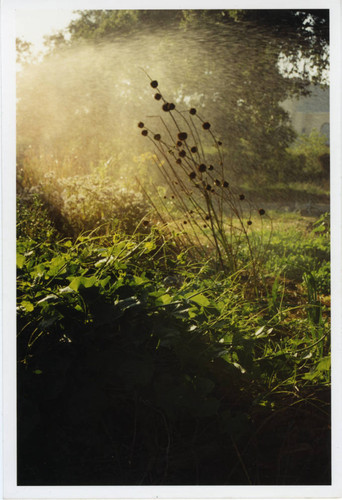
<point x="32" y="25"/>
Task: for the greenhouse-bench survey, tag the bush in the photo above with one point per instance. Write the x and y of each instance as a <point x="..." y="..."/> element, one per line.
<point x="90" y="202"/>
<point x="311" y="154"/>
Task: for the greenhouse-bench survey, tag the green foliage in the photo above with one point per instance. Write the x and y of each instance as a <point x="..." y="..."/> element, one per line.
<point x="88" y="202"/>
<point x="149" y="373"/>
<point x="309" y="254"/>
<point x="307" y="152"/>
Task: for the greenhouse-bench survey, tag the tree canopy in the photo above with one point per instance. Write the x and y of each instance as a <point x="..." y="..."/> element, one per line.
<point x="237" y="65"/>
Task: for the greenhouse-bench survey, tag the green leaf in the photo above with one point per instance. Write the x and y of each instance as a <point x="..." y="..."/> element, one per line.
<point x="27" y="306"/>
<point x="88" y="282"/>
<point x="200" y="299"/>
<point x="82" y="280"/>
<point x="149" y="246"/>
<point x="75" y="283"/>
<point x="165" y="299"/>
<point x="20" y="260"/>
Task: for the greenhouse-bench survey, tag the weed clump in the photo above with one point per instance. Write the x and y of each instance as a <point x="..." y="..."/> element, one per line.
<point x="214" y="199"/>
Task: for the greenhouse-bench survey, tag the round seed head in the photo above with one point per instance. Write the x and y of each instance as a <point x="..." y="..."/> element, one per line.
<point x="192" y="175"/>
<point x="179" y="143"/>
<point x="210" y="167"/>
<point x="154" y="84"/>
<point x="157" y="96"/>
<point x="206" y="125"/>
<point x="217" y="182"/>
<point x="171" y="106"/>
<point x="144" y="132"/>
<point x="182" y="153"/>
<point x="242" y="197"/>
<point x="146" y="222"/>
<point x="202" y="167"/>
<point x="157" y="137"/>
<point x="249" y="222"/>
<point x="207" y="217"/>
<point x="166" y="107"/>
<point x="262" y="211"/>
<point x="225" y="184"/>
<point x="208" y="187"/>
<point x="219" y="143"/>
<point x="178" y="161"/>
<point x="184" y="222"/>
<point x="182" y="136"/>
<point x="193" y="111"/>
<point x="204" y="225"/>
<point x="194" y="149"/>
<point x="140" y="125"/>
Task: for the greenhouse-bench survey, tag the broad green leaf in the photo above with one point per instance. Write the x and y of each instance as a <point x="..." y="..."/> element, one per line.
<point x="201" y="300"/>
<point x="82" y="280"/>
<point x="20" y="260"/>
<point x="88" y="282"/>
<point x="165" y="299"/>
<point x="105" y="281"/>
<point x="75" y="283"/>
<point x="27" y="306"/>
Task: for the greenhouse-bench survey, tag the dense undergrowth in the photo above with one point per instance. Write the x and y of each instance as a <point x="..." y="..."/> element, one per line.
<point x="138" y="364"/>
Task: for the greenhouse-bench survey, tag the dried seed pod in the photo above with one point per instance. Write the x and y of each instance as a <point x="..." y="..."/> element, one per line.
<point x="157" y="96"/>
<point x="182" y="136"/>
<point x="242" y="197"/>
<point x="202" y="167"/>
<point x="194" y="149"/>
<point x="208" y="187"/>
<point x="217" y="182"/>
<point x="192" y="175"/>
<point x="192" y="111"/>
<point x="141" y="125"/>
<point x="182" y="153"/>
<point x="206" y="125"/>
<point x="225" y="184"/>
<point x="219" y="143"/>
<point x="157" y="137"/>
<point x="166" y="107"/>
<point x="179" y="143"/>
<point x="178" y="161"/>
<point x="262" y="211"/>
<point x="171" y="106"/>
<point x="154" y="84"/>
<point x="144" y="132"/>
<point x="249" y="222"/>
<point x="210" y="167"/>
